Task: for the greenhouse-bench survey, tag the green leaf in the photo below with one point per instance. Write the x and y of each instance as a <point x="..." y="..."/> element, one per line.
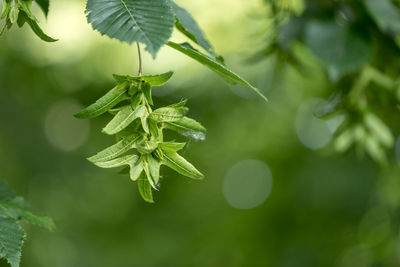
<point x="136" y="170"/>
<point x="118" y="162"/>
<point x="344" y="141"/>
<point x="116" y="150"/>
<point x="379" y="129"/>
<point x="167" y="114"/>
<point x="180" y="104"/>
<point x="214" y="65"/>
<point x="109" y="100"/>
<point x="154" y="168"/>
<point x="147" y="21"/>
<point x="11" y="239"/>
<point x="187" y="127"/>
<point x="44" y="5"/>
<point x="37" y="30"/>
<point x="123" y="118"/>
<point x="147" y="146"/>
<point x="16" y="208"/>
<point x="385" y="13"/>
<point x="154" y="129"/>
<point x="145" y="124"/>
<point x="180" y="165"/>
<point x="340" y="49"/>
<point x="5" y="9"/>
<point x="14" y="13"/>
<point x="146" y="88"/>
<point x="189" y="27"/>
<point x="171" y="146"/>
<point x="145" y="188"/>
<point x="146" y="168"/>
<point x="153" y="80"/>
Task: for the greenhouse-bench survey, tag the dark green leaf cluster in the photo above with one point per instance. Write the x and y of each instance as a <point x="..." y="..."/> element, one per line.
<point x="12" y="210"/>
<point x="140" y="128"/>
<point x="357" y="43"/>
<point x="19" y="11"/>
<point x="151" y="22"/>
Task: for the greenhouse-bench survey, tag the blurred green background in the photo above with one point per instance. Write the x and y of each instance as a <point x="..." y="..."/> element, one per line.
<point x="274" y="194"/>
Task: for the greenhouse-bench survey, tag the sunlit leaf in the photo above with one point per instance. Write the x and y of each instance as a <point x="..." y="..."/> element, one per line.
<point x="167" y="114"/>
<point x="118" y="162"/>
<point x="180" y="165"/>
<point x="123" y="118"/>
<point x="171" y="146"/>
<point x="116" y="150"/>
<point x="145" y="188"/>
<point x="186" y="126"/>
<point x="153" y="80"/>
<point x="109" y="100"/>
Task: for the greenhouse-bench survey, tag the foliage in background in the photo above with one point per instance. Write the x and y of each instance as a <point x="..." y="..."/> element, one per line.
<point x="13" y="209"/>
<point x="357" y="42"/>
<point x="19" y="11"/>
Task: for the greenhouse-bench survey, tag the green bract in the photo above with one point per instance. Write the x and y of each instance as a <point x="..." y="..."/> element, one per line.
<point x="139" y="131"/>
<point x="19" y="11"/>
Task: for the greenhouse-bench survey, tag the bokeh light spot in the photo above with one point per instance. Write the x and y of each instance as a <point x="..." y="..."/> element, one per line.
<point x="62" y="129"/>
<point x="247" y="184"/>
<point x="313" y="132"/>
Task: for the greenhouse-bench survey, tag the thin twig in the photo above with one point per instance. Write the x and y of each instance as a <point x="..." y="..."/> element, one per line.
<point x="140" y="59"/>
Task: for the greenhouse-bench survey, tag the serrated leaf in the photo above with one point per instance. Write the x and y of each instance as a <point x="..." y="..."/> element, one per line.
<point x="37" y="30"/>
<point x="106" y="102"/>
<point x="171" y="146"/>
<point x="123" y="118"/>
<point x="145" y="188"/>
<point x="16" y="208"/>
<point x="153" y="80"/>
<point x="116" y="150"/>
<point x="180" y="165"/>
<point x="187" y="127"/>
<point x="11" y="239"/>
<point x="168" y="114"/>
<point x="147" y="21"/>
<point x="44" y="6"/>
<point x="118" y="162"/>
<point x="214" y="65"/>
<point x="189" y="27"/>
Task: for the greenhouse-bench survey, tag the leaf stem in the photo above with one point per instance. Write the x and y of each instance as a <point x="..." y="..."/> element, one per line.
<point x="140" y="59"/>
